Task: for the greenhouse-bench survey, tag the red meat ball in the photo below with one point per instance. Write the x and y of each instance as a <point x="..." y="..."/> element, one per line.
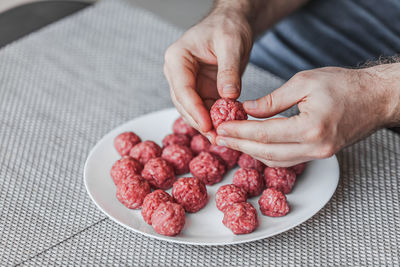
<point x="168" y="219"/>
<point x="131" y="192"/>
<point x="151" y="203"/>
<point x="191" y="193"/>
<point x="208" y="168"/>
<point x="273" y="203"/>
<point x="248" y="162"/>
<point x="249" y="180"/>
<point x="299" y="168"/>
<point x="159" y="173"/>
<point x="144" y="151"/>
<point x="181" y="127"/>
<point x="125" y="167"/>
<point x="125" y="142"/>
<point x="241" y="218"/>
<point x="225" y="109"/>
<point x="179" y="157"/>
<point x="199" y="144"/>
<point x="281" y="179"/>
<point x="176" y="139"/>
<point x="229" y="194"/>
<point x="229" y="156"/>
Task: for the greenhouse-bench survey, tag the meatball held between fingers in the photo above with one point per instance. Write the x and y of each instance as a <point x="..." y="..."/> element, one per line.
<point x="225" y="109"/>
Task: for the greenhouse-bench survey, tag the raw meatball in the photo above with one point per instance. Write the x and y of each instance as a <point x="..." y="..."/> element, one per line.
<point x="249" y="180"/>
<point x="125" y="167"/>
<point x="159" y="173"/>
<point x="208" y="168"/>
<point x="273" y="203"/>
<point x="199" y="144"/>
<point x="225" y="109"/>
<point x="281" y="179"/>
<point x="131" y="192"/>
<point x="248" y="162"/>
<point x="299" y="168"/>
<point x="124" y="142"/>
<point x="179" y="157"/>
<point x="176" y="139"/>
<point x="229" y="156"/>
<point x="180" y="127"/>
<point x="241" y="218"/>
<point x="229" y="194"/>
<point x="152" y="201"/>
<point x="145" y="150"/>
<point x="191" y="193"/>
<point x="168" y="219"/>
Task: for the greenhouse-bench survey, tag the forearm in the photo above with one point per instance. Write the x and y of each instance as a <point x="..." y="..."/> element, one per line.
<point x="385" y="82"/>
<point x="261" y="14"/>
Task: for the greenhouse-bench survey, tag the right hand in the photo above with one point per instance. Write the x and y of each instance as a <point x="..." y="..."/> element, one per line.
<point x="206" y="63"/>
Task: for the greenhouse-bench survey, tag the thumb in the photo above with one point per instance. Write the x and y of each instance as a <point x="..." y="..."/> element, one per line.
<point x="277" y="101"/>
<point x="228" y="77"/>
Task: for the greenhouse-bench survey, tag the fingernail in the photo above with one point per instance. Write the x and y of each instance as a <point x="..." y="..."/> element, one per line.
<point x="221" y="131"/>
<point x="221" y="142"/>
<point x="229" y="89"/>
<point x="250" y="104"/>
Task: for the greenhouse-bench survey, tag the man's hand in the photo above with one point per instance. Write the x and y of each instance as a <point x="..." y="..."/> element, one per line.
<point x="337" y="107"/>
<point x="206" y="63"/>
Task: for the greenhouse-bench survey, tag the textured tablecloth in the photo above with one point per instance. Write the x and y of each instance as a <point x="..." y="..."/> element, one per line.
<point x="64" y="87"/>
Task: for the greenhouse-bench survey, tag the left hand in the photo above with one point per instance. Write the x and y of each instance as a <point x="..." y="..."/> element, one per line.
<point x="337" y="106"/>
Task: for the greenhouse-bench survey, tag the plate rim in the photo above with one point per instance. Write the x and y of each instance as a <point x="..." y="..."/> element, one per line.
<point x="179" y="241"/>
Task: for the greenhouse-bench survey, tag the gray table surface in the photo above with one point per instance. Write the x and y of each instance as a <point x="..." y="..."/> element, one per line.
<point x="22" y="20"/>
<point x="64" y="87"/>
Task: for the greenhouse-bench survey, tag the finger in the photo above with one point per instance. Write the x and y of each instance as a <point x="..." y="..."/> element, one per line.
<point x="279" y="164"/>
<point x="276" y="130"/>
<point x="188" y="119"/>
<point x="277" y="101"/>
<point x="228" y="77"/>
<point x="267" y="152"/>
<point x="183" y="66"/>
<point x="211" y="136"/>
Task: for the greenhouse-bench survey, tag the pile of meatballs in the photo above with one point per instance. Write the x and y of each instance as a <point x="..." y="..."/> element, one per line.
<point x="145" y="166"/>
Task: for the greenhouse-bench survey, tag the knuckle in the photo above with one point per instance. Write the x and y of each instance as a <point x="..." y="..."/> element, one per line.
<point x="228" y="71"/>
<point x="268" y="101"/>
<point x="267" y="155"/>
<point x="266" y="162"/>
<point x="165" y="69"/>
<point x="227" y="31"/>
<point x="261" y="135"/>
<point x="170" y="53"/>
<point x="325" y="151"/>
<point x="303" y="78"/>
<point x="173" y="98"/>
<point x="229" y="38"/>
<point x="178" y="97"/>
<point x="316" y="133"/>
<point x="273" y="164"/>
<point x="167" y="55"/>
<point x="303" y="75"/>
<point x="233" y="145"/>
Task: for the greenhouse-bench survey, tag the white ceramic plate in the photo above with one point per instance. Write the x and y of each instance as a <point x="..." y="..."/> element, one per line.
<point x="312" y="191"/>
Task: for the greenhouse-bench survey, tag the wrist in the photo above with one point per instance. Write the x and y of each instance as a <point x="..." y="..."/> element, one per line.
<point x="384" y="81"/>
<point x="260" y="14"/>
<point x="232" y="21"/>
<point x="242" y="11"/>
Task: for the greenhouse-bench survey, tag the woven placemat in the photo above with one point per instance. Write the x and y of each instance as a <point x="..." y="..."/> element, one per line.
<point x="64" y="87"/>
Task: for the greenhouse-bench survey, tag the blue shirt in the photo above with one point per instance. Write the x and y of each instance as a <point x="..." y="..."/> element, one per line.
<point x="342" y="33"/>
